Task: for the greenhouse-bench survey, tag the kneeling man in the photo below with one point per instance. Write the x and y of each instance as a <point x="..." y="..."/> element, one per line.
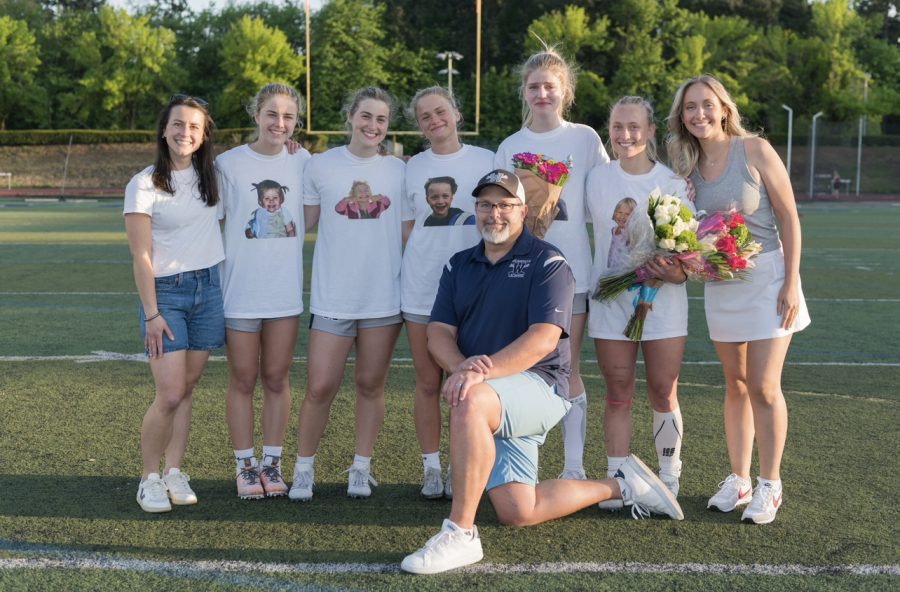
<point x="499" y="329"/>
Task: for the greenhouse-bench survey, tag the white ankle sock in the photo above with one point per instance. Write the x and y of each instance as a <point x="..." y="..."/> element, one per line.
<point x="362" y="462"/>
<point x="306" y="460"/>
<point x="612" y="465"/>
<point x="574" y="429"/>
<point x="432" y="460"/>
<point x="271" y="455"/>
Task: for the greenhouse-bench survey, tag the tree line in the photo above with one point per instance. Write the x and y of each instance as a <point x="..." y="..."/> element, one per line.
<point x="81" y="64"/>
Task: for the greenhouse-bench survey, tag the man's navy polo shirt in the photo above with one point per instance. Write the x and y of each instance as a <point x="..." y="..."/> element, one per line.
<point x="492" y="305"/>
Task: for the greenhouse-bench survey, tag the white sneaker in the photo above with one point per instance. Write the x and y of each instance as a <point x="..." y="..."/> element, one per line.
<point x="573" y="475"/>
<point x="767" y="499"/>
<point x="180" y="491"/>
<point x="734" y="491"/>
<point x="302" y="485"/>
<point x="152" y="495"/>
<point x="612" y="505"/>
<point x="449" y="549"/>
<point x="644" y="492"/>
<point x="433" y="485"/>
<point x="448" y="485"/>
<point x="358" y="486"/>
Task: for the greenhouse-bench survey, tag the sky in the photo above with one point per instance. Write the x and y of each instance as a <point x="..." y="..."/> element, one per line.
<point x="198" y="5"/>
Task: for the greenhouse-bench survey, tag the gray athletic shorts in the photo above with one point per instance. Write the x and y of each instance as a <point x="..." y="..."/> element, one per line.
<point x="349" y="327"/>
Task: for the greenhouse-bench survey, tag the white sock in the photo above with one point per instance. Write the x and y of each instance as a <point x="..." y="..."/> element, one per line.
<point x="432" y="460"/>
<point x="574" y="429"/>
<point x="243" y="456"/>
<point x="457" y="527"/>
<point x="775" y="484"/>
<point x="362" y="462"/>
<point x="667" y="431"/>
<point x="271" y="455"/>
<point x="612" y="465"/>
<point x="306" y="460"/>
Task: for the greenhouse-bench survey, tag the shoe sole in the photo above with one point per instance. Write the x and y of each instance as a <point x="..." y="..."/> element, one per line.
<point x="251" y="497"/>
<point x="276" y="494"/>
<point x="433" y="496"/>
<point x="660" y="488"/>
<point x="726" y="511"/>
<point x="359" y="495"/>
<point x="611" y="506"/>
<point x="300" y="499"/>
<point x="424" y="571"/>
<point x="152" y="510"/>
<point x="183" y="502"/>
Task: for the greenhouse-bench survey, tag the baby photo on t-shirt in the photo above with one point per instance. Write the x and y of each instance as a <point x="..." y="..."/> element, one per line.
<point x="270" y="220"/>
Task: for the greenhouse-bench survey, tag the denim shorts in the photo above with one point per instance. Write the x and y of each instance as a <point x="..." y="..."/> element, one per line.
<point x="191" y="304"/>
<point x="529" y="409"/>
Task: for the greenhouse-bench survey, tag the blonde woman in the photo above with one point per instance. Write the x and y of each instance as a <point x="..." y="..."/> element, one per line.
<point x="751" y="323"/>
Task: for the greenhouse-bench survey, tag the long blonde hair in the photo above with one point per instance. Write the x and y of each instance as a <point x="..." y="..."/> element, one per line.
<point x="550" y="60"/>
<point x="683" y="148"/>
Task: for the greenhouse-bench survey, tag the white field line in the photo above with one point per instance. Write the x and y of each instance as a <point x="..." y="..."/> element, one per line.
<point x="306" y="292"/>
<point x="106" y="356"/>
<point x="233" y="572"/>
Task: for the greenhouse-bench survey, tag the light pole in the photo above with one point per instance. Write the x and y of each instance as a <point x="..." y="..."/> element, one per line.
<point x="790" y="136"/>
<point x="862" y="130"/>
<point x="812" y="155"/>
<point x="449" y="71"/>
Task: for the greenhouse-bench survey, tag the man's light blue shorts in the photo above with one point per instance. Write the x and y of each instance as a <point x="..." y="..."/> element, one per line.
<point x="529" y="409"/>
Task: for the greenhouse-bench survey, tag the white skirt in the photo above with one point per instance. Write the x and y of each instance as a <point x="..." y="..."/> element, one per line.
<point x="747" y="310"/>
<point x="668" y="317"/>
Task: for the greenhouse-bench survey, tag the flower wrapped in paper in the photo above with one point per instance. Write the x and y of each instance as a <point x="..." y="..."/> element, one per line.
<point x="543" y="180"/>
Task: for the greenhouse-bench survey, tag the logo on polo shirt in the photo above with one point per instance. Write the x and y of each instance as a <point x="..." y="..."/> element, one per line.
<point x="517" y="268"/>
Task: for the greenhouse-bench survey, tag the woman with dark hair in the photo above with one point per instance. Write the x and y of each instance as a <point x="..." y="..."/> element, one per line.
<point x="175" y="242"/>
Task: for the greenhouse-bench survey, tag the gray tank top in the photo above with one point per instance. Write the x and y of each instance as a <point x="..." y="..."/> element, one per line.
<point x="736" y="188"/>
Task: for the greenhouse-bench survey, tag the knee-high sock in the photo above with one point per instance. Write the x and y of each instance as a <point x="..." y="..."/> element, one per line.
<point x="574" y="429"/>
<point x="667" y="433"/>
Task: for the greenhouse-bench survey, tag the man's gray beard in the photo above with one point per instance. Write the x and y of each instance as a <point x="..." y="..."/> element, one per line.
<point x="495" y="237"/>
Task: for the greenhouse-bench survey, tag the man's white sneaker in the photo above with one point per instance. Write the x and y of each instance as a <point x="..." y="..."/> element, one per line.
<point x="359" y="480"/>
<point x="180" y="491"/>
<point x="644" y="492"/>
<point x="448" y="485"/>
<point x="152" y="495"/>
<point x="449" y="549"/>
<point x="433" y="485"/>
<point x="573" y="475"/>
<point x="302" y="485"/>
<point x="734" y="491"/>
<point x="766" y="502"/>
<point x="611" y="505"/>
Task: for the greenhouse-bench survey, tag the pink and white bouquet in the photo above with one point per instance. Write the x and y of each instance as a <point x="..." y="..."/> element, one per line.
<point x="726" y="249"/>
<point x="543" y="180"/>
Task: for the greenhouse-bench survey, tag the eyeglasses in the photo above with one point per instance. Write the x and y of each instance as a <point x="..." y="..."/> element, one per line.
<point x="503" y="207"/>
<point x="180" y="98"/>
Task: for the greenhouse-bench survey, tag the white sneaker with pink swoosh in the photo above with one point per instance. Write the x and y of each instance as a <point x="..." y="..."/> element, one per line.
<point x="734" y="491"/>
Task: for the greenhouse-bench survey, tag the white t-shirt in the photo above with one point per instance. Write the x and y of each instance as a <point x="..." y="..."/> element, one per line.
<point x="435" y="239"/>
<point x="581" y="145"/>
<point x="607" y="185"/>
<point x="185" y="230"/>
<point x="356" y="264"/>
<point x="262" y="276"/>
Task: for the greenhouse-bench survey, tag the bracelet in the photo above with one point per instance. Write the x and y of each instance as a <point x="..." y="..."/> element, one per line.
<point x="150" y="318"/>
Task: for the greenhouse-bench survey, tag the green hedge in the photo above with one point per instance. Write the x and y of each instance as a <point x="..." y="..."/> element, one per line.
<point x="228" y="136"/>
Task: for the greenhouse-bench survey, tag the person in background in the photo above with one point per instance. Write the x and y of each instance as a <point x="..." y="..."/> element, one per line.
<point x="446" y="168"/>
<point x="548" y="91"/>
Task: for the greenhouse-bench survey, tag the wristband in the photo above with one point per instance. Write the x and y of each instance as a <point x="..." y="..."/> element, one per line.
<point x="150" y="318"/>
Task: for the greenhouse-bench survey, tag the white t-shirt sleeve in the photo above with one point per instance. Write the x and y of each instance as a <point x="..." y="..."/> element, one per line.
<point x="140" y="194"/>
<point x="311" y="194"/>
